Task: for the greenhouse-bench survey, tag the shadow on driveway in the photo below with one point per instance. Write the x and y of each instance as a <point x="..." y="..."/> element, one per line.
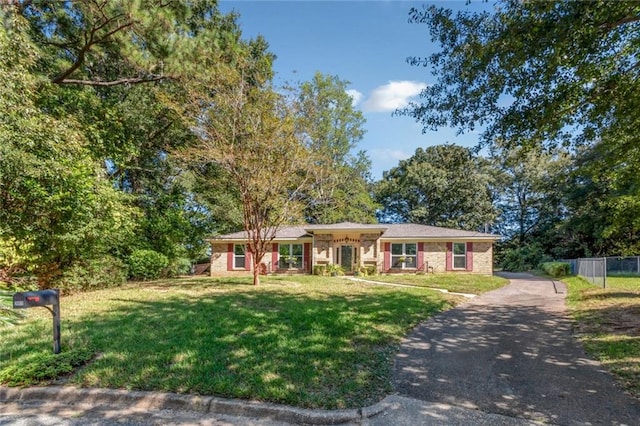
<point x="512" y="352"/>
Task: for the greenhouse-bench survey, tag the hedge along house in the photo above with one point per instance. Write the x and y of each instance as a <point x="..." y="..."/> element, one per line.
<point x="387" y="248"/>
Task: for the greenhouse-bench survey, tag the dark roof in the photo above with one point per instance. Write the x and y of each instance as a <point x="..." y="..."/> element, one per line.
<point x="409" y="230"/>
<point x="286" y="232"/>
<point x="390" y="231"/>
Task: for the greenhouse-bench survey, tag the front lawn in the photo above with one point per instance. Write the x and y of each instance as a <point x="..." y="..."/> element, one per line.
<point x="306" y="341"/>
<point x="608" y="324"/>
<point x="459" y="283"/>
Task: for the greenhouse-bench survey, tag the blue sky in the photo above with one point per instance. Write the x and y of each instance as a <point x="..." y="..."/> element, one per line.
<point x="365" y="43"/>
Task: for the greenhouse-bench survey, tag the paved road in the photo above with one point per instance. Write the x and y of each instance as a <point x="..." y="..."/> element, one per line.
<point x="512" y="352"/>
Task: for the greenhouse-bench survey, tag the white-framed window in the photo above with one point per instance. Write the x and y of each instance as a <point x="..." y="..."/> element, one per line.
<point x="404" y="255"/>
<point x="459" y="255"/>
<point x="239" y="256"/>
<point x="290" y="256"/>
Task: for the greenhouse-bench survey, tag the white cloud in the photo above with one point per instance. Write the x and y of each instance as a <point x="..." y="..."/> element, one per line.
<point x="355" y="95"/>
<point x="395" y="94"/>
<point x="386" y="154"/>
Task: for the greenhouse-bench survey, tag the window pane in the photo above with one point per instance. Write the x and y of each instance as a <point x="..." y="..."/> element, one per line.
<point x="396" y="248"/>
<point x="460" y="262"/>
<point x="410" y="262"/>
<point x="239" y="263"/>
<point x="410" y="249"/>
<point x="459" y="248"/>
<point x="297" y="249"/>
<point x="396" y="261"/>
<point x="283" y="250"/>
<point x="238" y="249"/>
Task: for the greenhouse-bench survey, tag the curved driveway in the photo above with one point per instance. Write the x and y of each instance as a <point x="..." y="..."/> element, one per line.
<point x="511" y="351"/>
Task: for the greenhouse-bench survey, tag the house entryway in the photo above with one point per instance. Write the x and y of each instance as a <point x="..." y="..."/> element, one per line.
<point x="345" y="258"/>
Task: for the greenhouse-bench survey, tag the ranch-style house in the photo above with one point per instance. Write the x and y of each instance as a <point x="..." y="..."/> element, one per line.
<point x="387" y="248"/>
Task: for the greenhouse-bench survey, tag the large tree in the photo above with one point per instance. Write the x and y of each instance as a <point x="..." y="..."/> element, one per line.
<point x="557" y="73"/>
<point x="331" y="128"/>
<point x="603" y="201"/>
<point x="533" y="71"/>
<point x="55" y="204"/>
<point x="531" y="183"/>
<point x="91" y="87"/>
<point x="118" y="68"/>
<point x="247" y="136"/>
<point x="443" y="185"/>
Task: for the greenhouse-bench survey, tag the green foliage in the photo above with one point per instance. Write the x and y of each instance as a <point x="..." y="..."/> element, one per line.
<point x="92" y="274"/>
<point x="320" y="270"/>
<point x="8" y="315"/>
<point x="147" y="264"/>
<point x="533" y="71"/>
<point x="444" y="185"/>
<point x="178" y="267"/>
<point x="529" y="191"/>
<point x="41" y="368"/>
<point x="55" y="205"/>
<point x="522" y="258"/>
<point x="332" y="128"/>
<point x="547" y="74"/>
<point x="556" y="269"/>
<point x="335" y="270"/>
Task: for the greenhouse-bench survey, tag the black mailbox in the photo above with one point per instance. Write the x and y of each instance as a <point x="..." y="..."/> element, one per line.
<point x="29" y="299"/>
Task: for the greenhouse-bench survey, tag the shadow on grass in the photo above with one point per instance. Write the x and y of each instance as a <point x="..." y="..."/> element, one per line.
<point x="322" y="350"/>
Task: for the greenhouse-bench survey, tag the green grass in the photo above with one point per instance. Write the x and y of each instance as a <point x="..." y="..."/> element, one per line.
<point x="459" y="283"/>
<point x="306" y="341"/>
<point x="608" y="324"/>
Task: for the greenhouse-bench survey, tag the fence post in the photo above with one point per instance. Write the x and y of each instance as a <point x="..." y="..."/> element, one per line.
<point x="604" y="274"/>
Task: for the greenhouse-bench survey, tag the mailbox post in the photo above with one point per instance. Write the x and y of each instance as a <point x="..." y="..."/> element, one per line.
<point x="29" y="299"/>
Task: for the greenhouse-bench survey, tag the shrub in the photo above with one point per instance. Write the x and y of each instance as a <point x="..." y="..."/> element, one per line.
<point x="335" y="270"/>
<point x="522" y="258"/>
<point x="147" y="264"/>
<point x="42" y="368"/>
<point x="556" y="269"/>
<point x="320" y="270"/>
<point x="179" y="266"/>
<point x="92" y="274"/>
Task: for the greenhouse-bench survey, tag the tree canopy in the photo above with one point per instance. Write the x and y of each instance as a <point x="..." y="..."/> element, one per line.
<point x="533" y="72"/>
<point x="442" y="185"/>
<point x="531" y="75"/>
<point x="331" y="128"/>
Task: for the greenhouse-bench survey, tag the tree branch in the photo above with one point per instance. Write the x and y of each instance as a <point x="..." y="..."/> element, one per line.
<point x="137" y="80"/>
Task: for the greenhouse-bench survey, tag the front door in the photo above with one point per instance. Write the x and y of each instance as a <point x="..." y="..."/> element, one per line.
<point x="346" y="258"/>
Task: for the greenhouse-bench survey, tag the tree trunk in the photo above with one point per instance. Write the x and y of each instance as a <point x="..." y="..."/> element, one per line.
<point x="256" y="274"/>
<point x="256" y="268"/>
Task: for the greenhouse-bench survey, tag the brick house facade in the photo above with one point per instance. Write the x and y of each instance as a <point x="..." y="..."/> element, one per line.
<point x="388" y="248"/>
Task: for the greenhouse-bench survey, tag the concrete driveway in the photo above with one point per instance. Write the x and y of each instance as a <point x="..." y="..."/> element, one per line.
<point x="512" y="352"/>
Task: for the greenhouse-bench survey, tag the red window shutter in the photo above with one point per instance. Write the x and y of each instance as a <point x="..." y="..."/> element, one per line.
<point x="247" y="258"/>
<point x="230" y="257"/>
<point x="274" y="257"/>
<point x="387" y="256"/>
<point x="420" y="261"/>
<point x="449" y="266"/>
<point x="307" y="256"/>
<point x="469" y="256"/>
